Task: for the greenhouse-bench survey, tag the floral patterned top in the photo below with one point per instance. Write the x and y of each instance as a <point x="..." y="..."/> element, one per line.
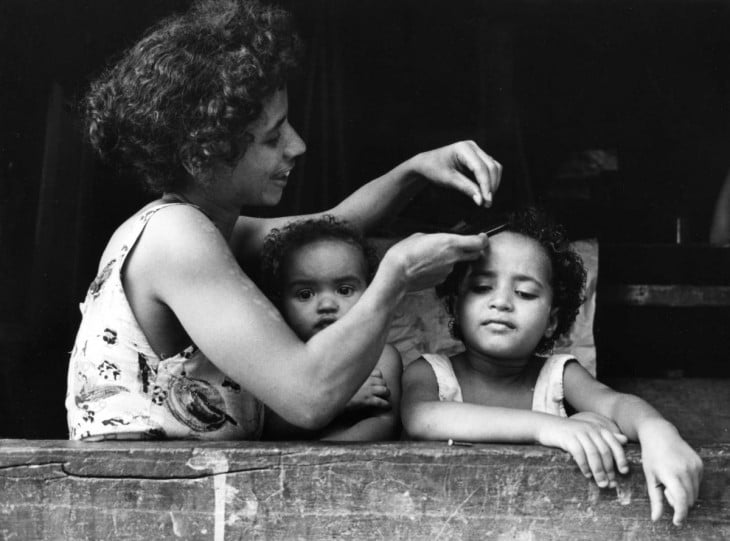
<point x="119" y="388"/>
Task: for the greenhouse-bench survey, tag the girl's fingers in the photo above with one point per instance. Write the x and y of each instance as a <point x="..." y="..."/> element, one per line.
<point x="656" y="496"/>
<point x="577" y="452"/>
<point x="617" y="450"/>
<point x="595" y="462"/>
<point x="605" y="453"/>
<point x="677" y="498"/>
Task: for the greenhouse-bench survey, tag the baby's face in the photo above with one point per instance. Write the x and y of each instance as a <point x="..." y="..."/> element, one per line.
<point x="322" y="281"/>
<point x="505" y="299"/>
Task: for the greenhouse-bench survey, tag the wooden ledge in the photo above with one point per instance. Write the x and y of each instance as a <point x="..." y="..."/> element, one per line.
<point x="400" y="490"/>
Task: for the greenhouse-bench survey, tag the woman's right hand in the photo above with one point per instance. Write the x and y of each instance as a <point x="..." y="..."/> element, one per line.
<point x="425" y="260"/>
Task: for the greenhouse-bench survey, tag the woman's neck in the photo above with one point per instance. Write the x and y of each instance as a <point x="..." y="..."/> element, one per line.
<point x="222" y="215"/>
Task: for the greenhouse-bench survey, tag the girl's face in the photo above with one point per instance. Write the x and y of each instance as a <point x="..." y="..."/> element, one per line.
<point x="504" y="303"/>
<point x="322" y="281"/>
<point x="261" y="173"/>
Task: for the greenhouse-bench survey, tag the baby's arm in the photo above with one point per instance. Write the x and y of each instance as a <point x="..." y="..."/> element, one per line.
<point x="384" y="423"/>
<point x="670" y="465"/>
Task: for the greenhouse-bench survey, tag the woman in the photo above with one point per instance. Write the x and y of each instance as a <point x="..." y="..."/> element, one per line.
<point x="175" y="340"/>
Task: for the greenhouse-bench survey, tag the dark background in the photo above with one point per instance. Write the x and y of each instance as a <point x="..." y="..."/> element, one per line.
<point x="534" y="83"/>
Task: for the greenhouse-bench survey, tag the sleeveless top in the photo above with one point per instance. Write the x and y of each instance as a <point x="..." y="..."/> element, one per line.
<point x="119" y="388"/>
<point x="548" y="396"/>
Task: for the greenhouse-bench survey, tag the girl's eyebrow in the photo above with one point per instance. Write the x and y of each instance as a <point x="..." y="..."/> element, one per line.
<point x="516" y="277"/>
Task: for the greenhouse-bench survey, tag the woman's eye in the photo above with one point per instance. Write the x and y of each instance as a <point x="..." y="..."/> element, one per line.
<point x="346" y="290"/>
<point x="272" y="142"/>
<point x="304" y="294"/>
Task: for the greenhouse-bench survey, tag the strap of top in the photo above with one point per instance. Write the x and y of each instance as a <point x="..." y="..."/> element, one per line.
<point x="449" y="388"/>
<point x="549" y="394"/>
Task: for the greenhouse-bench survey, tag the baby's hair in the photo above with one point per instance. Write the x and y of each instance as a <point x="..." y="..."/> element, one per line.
<point x="181" y="98"/>
<point x="280" y="243"/>
<point x="568" y="272"/>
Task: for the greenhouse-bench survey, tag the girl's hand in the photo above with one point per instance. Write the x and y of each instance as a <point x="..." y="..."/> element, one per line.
<point x="593" y="448"/>
<point x="601" y="421"/>
<point x="671" y="468"/>
<point x="373" y="393"/>
<point x="422" y="261"/>
<point x="462" y="166"/>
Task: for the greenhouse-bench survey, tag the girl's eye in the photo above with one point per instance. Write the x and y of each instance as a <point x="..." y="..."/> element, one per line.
<point x="346" y="290"/>
<point x="304" y="294"/>
<point x="480" y="288"/>
<point x="525" y="295"/>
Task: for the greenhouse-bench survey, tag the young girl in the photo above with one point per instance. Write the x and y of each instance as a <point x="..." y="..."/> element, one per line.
<point x="315" y="271"/>
<point x="509" y="307"/>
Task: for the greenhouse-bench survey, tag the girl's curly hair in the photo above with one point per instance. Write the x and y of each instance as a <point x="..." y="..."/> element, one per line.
<point x="280" y="243"/>
<point x="568" y="276"/>
<point x="182" y="96"/>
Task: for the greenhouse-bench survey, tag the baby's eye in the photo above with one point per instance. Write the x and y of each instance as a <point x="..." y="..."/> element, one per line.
<point x="304" y="294"/>
<point x="346" y="290"/>
<point x="526" y="295"/>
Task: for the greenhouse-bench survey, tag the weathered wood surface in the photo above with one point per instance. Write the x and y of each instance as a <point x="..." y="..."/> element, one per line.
<point x="183" y="490"/>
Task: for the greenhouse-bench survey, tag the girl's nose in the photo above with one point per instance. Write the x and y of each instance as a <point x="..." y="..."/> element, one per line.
<point x="501" y="299"/>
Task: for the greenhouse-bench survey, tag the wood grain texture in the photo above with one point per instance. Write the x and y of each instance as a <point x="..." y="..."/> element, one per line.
<point x="184" y="490"/>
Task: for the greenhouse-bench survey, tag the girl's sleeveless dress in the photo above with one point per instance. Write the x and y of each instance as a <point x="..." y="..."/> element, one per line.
<point x="548" y="396"/>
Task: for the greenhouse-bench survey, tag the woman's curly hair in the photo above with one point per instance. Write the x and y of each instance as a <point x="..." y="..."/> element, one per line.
<point x="183" y="95"/>
<point x="568" y="272"/>
<point x="280" y="243"/>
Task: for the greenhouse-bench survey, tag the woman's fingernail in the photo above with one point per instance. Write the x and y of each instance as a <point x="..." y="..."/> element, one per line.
<point x="477" y="198"/>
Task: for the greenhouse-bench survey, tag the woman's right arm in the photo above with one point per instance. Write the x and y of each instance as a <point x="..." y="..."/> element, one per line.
<point x="193" y="272"/>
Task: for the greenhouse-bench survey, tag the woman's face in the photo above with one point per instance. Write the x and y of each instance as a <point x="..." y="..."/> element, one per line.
<point x="261" y="173"/>
<point x="505" y="300"/>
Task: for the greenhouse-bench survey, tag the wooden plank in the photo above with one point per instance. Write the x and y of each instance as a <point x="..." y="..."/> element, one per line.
<point x="401" y="490"/>
<point x="679" y="295"/>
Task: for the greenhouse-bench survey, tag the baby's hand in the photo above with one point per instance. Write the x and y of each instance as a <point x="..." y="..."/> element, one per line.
<point x="373" y="393"/>
<point x="671" y="468"/>
<point x="594" y="449"/>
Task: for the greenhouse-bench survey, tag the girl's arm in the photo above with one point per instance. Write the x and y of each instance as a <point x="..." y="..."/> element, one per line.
<point x="384" y="424"/>
<point x="671" y="466"/>
<point x="425" y="417"/>
<point x="186" y="266"/>
<point x="461" y="166"/>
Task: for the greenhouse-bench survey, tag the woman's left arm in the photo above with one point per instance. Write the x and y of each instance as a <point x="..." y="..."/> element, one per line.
<point x="671" y="467"/>
<point x="462" y="166"/>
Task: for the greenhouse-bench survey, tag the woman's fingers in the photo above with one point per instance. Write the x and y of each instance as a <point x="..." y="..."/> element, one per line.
<point x="484" y="169"/>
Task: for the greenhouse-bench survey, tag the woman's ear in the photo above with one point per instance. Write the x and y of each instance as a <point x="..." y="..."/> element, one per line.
<point x="552" y="323"/>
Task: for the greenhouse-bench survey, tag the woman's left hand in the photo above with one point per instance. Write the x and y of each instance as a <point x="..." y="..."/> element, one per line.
<point x="462" y="166"/>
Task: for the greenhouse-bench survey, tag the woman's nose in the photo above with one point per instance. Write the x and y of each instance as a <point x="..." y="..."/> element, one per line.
<point x="295" y="145"/>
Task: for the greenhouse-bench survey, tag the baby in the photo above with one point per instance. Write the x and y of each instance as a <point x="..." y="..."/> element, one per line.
<point x="509" y="307"/>
<point x="315" y="271"/>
